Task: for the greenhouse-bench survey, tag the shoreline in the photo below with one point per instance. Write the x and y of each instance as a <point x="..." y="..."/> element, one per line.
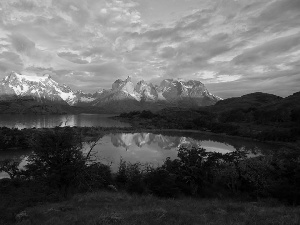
<point x="168" y="132"/>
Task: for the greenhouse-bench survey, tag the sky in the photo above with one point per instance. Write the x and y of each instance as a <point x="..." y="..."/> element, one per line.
<point x="234" y="47"/>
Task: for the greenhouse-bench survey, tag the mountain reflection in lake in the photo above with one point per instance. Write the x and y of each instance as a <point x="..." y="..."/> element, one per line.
<point x="153" y="148"/>
<point x="149" y="148"/>
<point x="19" y="156"/>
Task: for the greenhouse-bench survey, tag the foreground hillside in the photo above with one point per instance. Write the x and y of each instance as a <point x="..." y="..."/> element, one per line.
<point x="59" y="167"/>
<point x="122" y="208"/>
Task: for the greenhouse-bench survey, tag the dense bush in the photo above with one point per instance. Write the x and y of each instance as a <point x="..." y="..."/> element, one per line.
<point x="95" y="176"/>
<point x="162" y="183"/>
<point x="13" y="138"/>
<point x="57" y="159"/>
<point x="130" y="177"/>
<point x="200" y="173"/>
<point x="56" y="169"/>
<point x="58" y="162"/>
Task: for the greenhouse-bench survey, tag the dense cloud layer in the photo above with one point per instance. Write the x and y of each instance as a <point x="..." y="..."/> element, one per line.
<point x="232" y="46"/>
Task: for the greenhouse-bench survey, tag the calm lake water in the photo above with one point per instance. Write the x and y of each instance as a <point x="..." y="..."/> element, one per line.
<point x="49" y="121"/>
<point x="153" y="148"/>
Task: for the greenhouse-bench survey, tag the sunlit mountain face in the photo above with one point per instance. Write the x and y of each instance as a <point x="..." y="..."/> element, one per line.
<point x="233" y="47"/>
<point x="124" y="95"/>
<point x="40" y="88"/>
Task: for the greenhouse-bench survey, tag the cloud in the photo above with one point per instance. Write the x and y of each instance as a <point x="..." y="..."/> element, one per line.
<point x="238" y="46"/>
<point x="272" y="49"/>
<point x="75" y="58"/>
<point x="22" y="44"/>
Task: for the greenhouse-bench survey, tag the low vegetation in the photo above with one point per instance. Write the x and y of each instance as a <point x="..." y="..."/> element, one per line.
<point x="121" y="208"/>
<point x="58" y="169"/>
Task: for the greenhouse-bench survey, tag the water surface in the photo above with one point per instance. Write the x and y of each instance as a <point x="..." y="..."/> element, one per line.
<point x="50" y="121"/>
<point x="155" y="148"/>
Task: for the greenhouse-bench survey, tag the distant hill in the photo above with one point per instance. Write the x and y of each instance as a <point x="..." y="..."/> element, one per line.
<point x="253" y="100"/>
<point x="258" y="107"/>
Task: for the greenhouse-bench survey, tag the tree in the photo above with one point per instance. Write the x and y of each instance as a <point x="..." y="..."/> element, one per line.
<point x="57" y="159"/>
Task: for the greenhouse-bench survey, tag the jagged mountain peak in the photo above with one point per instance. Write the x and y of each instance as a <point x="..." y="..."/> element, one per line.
<point x="41" y="88"/>
<point x="184" y="93"/>
<point x="146" y="90"/>
<point x="178" y="89"/>
<point x="124" y="89"/>
<point x="17" y="77"/>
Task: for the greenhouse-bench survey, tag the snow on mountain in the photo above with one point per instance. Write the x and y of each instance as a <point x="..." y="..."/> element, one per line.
<point x="41" y="88"/>
<point x="44" y="88"/>
<point x="126" y="87"/>
<point x="87" y="97"/>
<point x="178" y="89"/>
<point x="121" y="90"/>
<point x="146" y="91"/>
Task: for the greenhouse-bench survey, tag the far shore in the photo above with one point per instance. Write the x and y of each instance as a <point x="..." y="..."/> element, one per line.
<point x="172" y="132"/>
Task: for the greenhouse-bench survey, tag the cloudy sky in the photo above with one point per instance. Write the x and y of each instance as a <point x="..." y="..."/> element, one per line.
<point x="233" y="46"/>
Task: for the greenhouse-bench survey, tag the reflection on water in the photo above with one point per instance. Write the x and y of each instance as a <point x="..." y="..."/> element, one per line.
<point x="153" y="148"/>
<point x="19" y="156"/>
<point x="150" y="148"/>
<point x="48" y="121"/>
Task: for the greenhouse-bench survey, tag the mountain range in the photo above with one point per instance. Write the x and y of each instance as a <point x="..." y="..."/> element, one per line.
<point x="45" y="93"/>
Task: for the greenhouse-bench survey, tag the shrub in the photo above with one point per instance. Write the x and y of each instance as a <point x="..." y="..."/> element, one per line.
<point x="58" y="162"/>
<point x="162" y="183"/>
<point x="130" y="177"/>
<point x="95" y="176"/>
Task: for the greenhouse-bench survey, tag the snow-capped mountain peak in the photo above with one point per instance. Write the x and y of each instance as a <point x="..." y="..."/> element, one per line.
<point x="42" y="88"/>
<point x="146" y="91"/>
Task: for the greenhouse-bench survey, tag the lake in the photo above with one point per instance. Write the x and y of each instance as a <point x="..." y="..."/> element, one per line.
<point x="49" y="121"/>
<point x="155" y="148"/>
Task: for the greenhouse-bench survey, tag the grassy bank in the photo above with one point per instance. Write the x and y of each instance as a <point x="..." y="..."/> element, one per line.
<point x="121" y="208"/>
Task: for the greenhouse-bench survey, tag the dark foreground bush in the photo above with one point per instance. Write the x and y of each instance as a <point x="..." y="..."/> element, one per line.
<point x="56" y="170"/>
<point x="199" y="173"/>
<point x="161" y="183"/>
<point x="95" y="176"/>
<point x="131" y="177"/>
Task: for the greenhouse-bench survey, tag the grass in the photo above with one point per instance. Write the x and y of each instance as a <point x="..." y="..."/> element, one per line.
<point x="121" y="208"/>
